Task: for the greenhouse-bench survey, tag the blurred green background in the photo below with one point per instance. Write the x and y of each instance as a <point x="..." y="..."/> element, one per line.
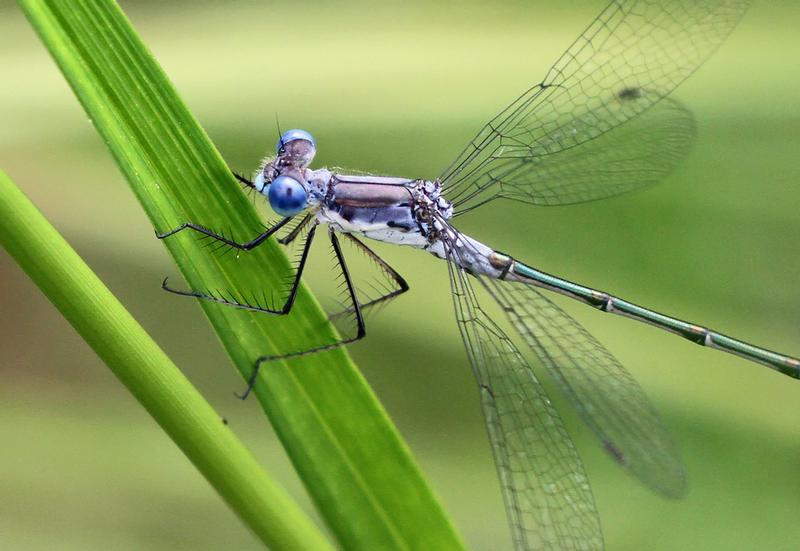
<point x="398" y="89"/>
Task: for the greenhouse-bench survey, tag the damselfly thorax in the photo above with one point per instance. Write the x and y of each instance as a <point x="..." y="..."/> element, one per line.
<point x="394" y="210"/>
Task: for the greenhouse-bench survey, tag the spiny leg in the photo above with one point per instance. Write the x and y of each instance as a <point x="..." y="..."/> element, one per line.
<point x="246" y="246"/>
<point x="297" y="230"/>
<point x="360" y="332"/>
<point x="250" y="186"/>
<point x="242" y="180"/>
<point x="287" y="306"/>
<point x="397" y="279"/>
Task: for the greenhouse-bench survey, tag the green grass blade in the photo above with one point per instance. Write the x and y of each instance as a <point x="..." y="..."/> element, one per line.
<point x="351" y="459"/>
<point x="150" y="375"/>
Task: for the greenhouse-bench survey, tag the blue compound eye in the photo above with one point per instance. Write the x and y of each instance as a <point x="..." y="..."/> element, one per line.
<point x="287" y="196"/>
<point x="292" y="135"/>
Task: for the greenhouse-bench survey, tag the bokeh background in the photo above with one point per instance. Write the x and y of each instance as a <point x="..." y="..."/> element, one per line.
<point x="398" y="89"/>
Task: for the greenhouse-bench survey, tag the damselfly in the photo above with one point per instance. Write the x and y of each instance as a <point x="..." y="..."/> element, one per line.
<point x="600" y="124"/>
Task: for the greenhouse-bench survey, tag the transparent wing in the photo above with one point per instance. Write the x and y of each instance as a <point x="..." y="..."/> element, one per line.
<point x="605" y="395"/>
<point x="629" y="157"/>
<point x="546" y="491"/>
<point x="632" y="55"/>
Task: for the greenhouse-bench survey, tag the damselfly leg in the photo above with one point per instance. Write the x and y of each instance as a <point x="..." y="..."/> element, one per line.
<point x="355" y="307"/>
<point x="297" y="230"/>
<point x="242" y="303"/>
<point x="396" y="284"/>
<point x="246" y="246"/>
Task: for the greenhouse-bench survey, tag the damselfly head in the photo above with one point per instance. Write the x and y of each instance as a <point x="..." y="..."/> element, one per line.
<point x="296" y="148"/>
<point x="287" y="196"/>
<point x="286" y="189"/>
